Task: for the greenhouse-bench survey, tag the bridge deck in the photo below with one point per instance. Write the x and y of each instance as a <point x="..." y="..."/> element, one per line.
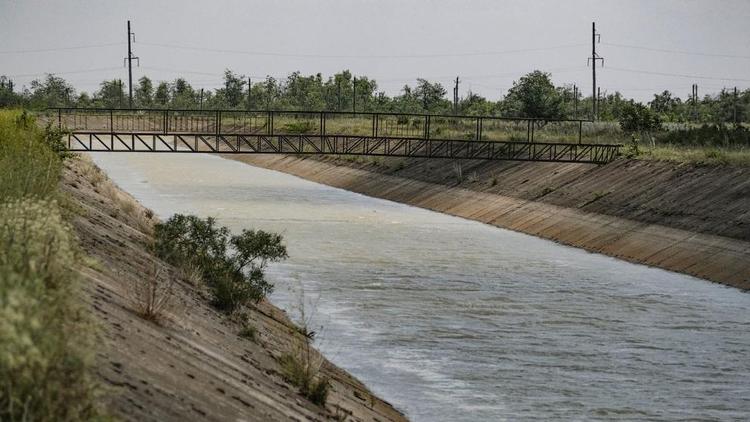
<point x="374" y="134"/>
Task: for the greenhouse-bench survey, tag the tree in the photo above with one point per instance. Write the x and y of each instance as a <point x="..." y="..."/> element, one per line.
<point x="182" y="94"/>
<point x="234" y="86"/>
<point x="534" y="95"/>
<point x="52" y="91"/>
<point x="144" y="92"/>
<point x="476" y="105"/>
<point x="161" y="96"/>
<point x="431" y="95"/>
<point x="110" y="94"/>
<point x="8" y="97"/>
<point x="638" y="119"/>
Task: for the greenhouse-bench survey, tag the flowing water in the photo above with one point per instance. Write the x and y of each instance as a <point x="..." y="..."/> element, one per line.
<point x="453" y="320"/>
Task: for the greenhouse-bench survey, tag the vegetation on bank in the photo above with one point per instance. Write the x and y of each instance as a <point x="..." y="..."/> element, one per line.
<point x="46" y="337"/>
<point x="231" y="265"/>
<point x="233" y="268"/>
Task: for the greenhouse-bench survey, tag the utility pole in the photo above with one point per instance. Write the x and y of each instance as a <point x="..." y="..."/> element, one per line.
<point x="575" y="100"/>
<point x="354" y="94"/>
<point x="734" y="107"/>
<point x="338" y="94"/>
<point x="201" y="100"/>
<point x="455" y="97"/>
<point x="598" y="101"/>
<point x="694" y="95"/>
<point x="594" y="57"/>
<point x="249" y="85"/>
<point x="119" y="92"/>
<point x="129" y="59"/>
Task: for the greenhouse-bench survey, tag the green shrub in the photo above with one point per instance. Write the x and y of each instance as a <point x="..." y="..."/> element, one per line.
<point x="708" y="135"/>
<point x="304" y="126"/>
<point x="28" y="166"/>
<point x="45" y="341"/>
<point x="248" y="332"/>
<point x="235" y="278"/>
<point x="304" y="374"/>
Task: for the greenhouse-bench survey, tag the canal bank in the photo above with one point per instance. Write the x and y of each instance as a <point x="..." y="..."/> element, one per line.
<point x="687" y="218"/>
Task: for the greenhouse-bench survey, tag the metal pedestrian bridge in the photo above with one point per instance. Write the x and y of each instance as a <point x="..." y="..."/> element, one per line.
<point x="328" y="132"/>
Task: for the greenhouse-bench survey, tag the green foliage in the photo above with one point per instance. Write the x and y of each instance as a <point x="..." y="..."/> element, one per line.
<point x="28" y="166"/>
<point x="232" y="266"/>
<point x="248" y="332"/>
<point x="632" y="148"/>
<point x="299" y="126"/>
<point x="52" y="91"/>
<point x="534" y="95"/>
<point x="45" y="343"/>
<point x="708" y="135"/>
<point x="304" y="375"/>
<point x="144" y="92"/>
<point x="637" y="118"/>
<point x="111" y="94"/>
<point x="45" y="338"/>
<point x="8" y="96"/>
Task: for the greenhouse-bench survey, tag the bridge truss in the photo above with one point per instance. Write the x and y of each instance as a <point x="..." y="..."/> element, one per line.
<point x="284" y="132"/>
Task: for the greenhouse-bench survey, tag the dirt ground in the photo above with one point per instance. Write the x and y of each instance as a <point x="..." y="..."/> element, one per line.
<point x="686" y="218"/>
<point x="192" y="364"/>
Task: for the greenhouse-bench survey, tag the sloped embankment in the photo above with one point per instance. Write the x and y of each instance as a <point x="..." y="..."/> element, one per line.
<point x="192" y="365"/>
<point x="686" y="218"/>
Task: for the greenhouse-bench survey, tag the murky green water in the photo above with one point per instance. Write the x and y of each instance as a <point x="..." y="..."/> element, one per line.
<point x="452" y="320"/>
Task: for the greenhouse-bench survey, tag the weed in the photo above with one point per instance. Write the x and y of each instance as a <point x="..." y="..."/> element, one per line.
<point x="248" y="332"/>
<point x="458" y="171"/>
<point x="302" y="371"/>
<point x="152" y="294"/>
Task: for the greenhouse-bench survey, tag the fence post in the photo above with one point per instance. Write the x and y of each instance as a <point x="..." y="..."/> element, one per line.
<point x="533" y="123"/>
<point x="427" y="127"/>
<point x="528" y="130"/>
<point x="580" y="131"/>
<point x="218" y="124"/>
<point x="111" y="124"/>
<point x="59" y="118"/>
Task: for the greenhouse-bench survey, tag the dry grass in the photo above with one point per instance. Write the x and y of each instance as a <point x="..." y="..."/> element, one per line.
<point x="152" y="294"/>
<point x="698" y="155"/>
<point x="301" y="366"/>
<point x="138" y="217"/>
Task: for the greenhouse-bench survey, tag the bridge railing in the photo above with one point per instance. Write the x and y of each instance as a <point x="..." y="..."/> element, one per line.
<point x="320" y="123"/>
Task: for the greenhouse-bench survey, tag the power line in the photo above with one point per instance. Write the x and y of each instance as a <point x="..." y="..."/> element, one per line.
<point x="70" y="72"/>
<point x="46" y="50"/>
<point x="691" y="53"/>
<point x="361" y="56"/>
<point x="678" y="75"/>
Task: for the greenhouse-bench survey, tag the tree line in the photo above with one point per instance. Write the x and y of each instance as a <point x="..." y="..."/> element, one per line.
<point x="532" y="95"/>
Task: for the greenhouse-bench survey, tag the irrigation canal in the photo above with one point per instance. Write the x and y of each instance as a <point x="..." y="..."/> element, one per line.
<point x="452" y="320"/>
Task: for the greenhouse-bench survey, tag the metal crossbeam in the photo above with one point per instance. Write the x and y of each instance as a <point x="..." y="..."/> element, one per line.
<point x="323" y="132"/>
<point x="81" y="141"/>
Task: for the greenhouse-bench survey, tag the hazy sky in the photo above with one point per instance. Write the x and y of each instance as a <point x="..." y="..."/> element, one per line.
<point x="488" y="44"/>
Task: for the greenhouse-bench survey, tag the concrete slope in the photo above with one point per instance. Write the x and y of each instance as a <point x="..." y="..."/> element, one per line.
<point x="689" y="219"/>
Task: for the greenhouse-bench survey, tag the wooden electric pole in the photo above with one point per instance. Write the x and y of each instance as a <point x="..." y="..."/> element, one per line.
<point x="594" y="57"/>
<point x="455" y="97"/>
<point x="249" y="86"/>
<point x="129" y="59"/>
